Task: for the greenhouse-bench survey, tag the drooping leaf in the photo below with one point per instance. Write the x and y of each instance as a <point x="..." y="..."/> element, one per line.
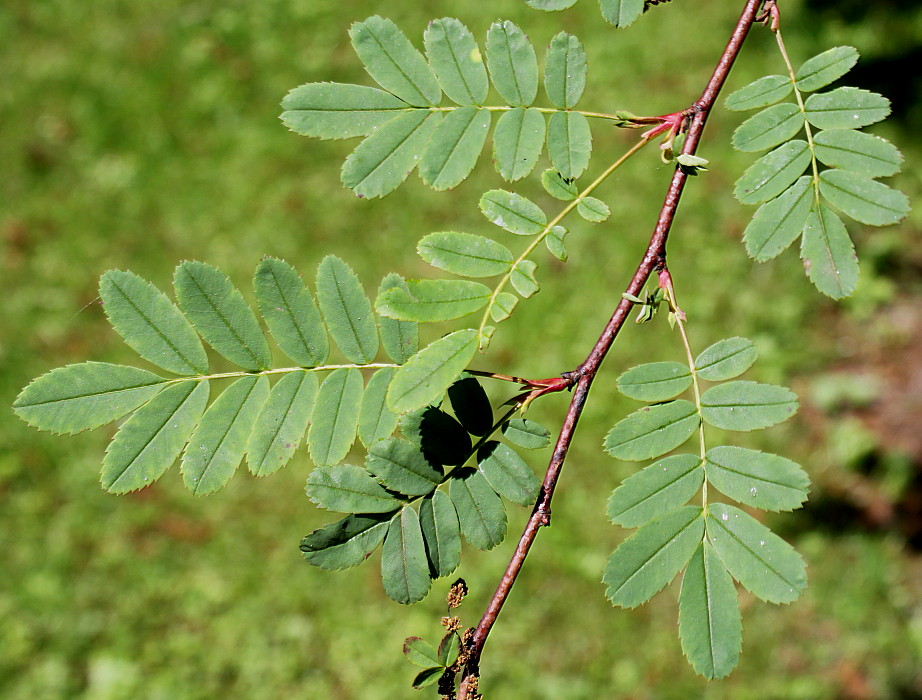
<point x="778" y="223"/>
<point x="828" y="254"/>
<point x="345" y="543"/>
<point x="346" y="488"/>
<point x="655" y="381"/>
<point x="770" y="127"/>
<point x="219" y="313"/>
<point x="645" y="562"/>
<point x="503" y="306"/>
<point x="376" y="421"/>
<point x="441" y="437"/>
<point x="420" y="652"/>
<point x="441" y="532"/>
<point x="757" y="479"/>
<point x="760" y="93"/>
<point x="709" y="616"/>
<point x="471" y="406"/>
<point x="825" y="68"/>
<point x="569" y="142"/>
<point x="338" y="111"/>
<point x="433" y="300"/>
<point x="290" y="313"/>
<point x="347" y="310"/>
<point x="393" y="62"/>
<point x="454" y="148"/>
<point x="513" y="212"/>
<point x="151" y="324"/>
<point x="523" y="278"/>
<point x="429" y="373"/>
<point x="621" y="13"/>
<point x="594" y="210"/>
<point x="399" y="338"/>
<point x="85" y="396"/>
<point x="465" y="254"/>
<point x="217" y="446"/>
<point x="773" y="173"/>
<point x="756" y="557"/>
<point x="508" y="473"/>
<point x="480" y="510"/>
<point x="857" y="152"/>
<point x="513" y="64"/>
<point x="150" y="441"/>
<point x="517" y="142"/>
<point x="565" y="71"/>
<point x="652" y="431"/>
<point x="862" y="198"/>
<point x="455" y="57"/>
<point x="557" y="186"/>
<point x="555" y="242"/>
<point x="726" y="359"/>
<point x="282" y="423"/>
<point x="402" y="467"/>
<point x="335" y="418"/>
<point x="656" y="490"/>
<point x="744" y="405"/>
<point x="524" y="432"/>
<point x="404" y="567"/>
<point x="846" y="108"/>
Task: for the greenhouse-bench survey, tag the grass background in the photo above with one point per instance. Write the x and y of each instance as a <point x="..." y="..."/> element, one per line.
<point x="135" y="135"/>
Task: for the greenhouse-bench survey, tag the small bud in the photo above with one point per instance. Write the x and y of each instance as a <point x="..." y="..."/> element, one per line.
<point x="456" y="593"/>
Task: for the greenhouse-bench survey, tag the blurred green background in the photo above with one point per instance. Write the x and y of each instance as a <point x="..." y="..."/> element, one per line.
<point x="135" y="135"/>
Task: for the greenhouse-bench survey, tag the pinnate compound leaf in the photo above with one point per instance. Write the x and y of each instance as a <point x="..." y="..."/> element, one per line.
<point x="565" y="71"/>
<point x="770" y="127"/>
<point x="828" y="254"/>
<point x="513" y="212"/>
<point x="429" y="373"/>
<point x="557" y="186"/>
<point x="347" y="310"/>
<point x="347" y="488"/>
<point x="404" y="566"/>
<point x="217" y="446"/>
<point x="857" y="152"/>
<point x="773" y="173"/>
<point x="508" y="473"/>
<point x="658" y="489"/>
<point x="517" y="142"/>
<point x="765" y="564"/>
<point x="335" y="418"/>
<point x="219" y="313"/>
<point x="454" y="148"/>
<point x="513" y="64"/>
<point x="862" y="198"/>
<point x="480" y="510"/>
<point x="778" y="223"/>
<point x="744" y="405"/>
<point x="441" y="532"/>
<point x="402" y="467"/>
<point x="726" y="359"/>
<point x="709" y="616"/>
<point x="399" y="338"/>
<point x="465" y="254"/>
<point x="376" y="421"/>
<point x="420" y="652"/>
<point x="282" y="423"/>
<point x="846" y="108"/>
<point x="555" y="242"/>
<point x="471" y="406"/>
<point x="648" y="560"/>
<point x="151" y="324"/>
<point x="594" y="210"/>
<point x="652" y="431"/>
<point x="455" y="57"/>
<point x="655" y="381"/>
<point x="394" y="63"/>
<point x="760" y="93"/>
<point x="523" y="278"/>
<point x="524" y="432"/>
<point x="383" y="161"/>
<point x="757" y="479"/>
<point x="433" y="300"/>
<point x="621" y="13"/>
<point x="291" y="313"/>
<point x="825" y="68"/>
<point x="85" y="396"/>
<point x="150" y="441"/>
<point x="337" y="110"/>
<point x="569" y="143"/>
<point x="345" y="543"/>
<point x="503" y="306"/>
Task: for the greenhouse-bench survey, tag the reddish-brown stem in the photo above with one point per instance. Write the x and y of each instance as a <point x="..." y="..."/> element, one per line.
<point x="654" y="258"/>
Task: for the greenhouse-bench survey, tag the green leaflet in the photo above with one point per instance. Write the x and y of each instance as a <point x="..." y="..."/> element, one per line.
<point x="558" y="187"/>
<point x="523" y="279"/>
<point x="400" y="338"/>
<point x="526" y="433"/>
<point x="150" y="441"/>
<point x="507" y="473"/>
<point x="334" y="419"/>
<point x="652" y="431"/>
<point x="337" y="110"/>
<point x="517" y="142"/>
<point x="779" y="223"/>
<point x="760" y="93"/>
<point x="440" y="436"/>
<point x="726" y="359"/>
<point x="429" y="373"/>
<point x="427" y="677"/>
<point x="513" y="212"/>
<point x="393" y="62"/>
<point x="513" y="64"/>
<point x="456" y="59"/>
<point x="656" y="490"/>
<point x="402" y="467"/>
<point x="555" y="242"/>
<point x="825" y="68"/>
<point x="709" y="616"/>
<point x="645" y="562"/>
<point x="376" y="422"/>
<point x="347" y="310"/>
<point x="768" y="128"/>
<point x="454" y="148"/>
<point x="471" y="406"/>
<point x="851" y="150"/>
<point x="384" y="160"/>
<point x="151" y="324"/>
<point x="85" y="396"/>
<point x="345" y="543"/>
<point x="480" y="511"/>
<point x="503" y="306"/>
<point x="756" y="557"/>
<point x="846" y="108"/>
<point x="828" y="254"/>
<point x="217" y="446"/>
<point x="404" y="567"/>
<point x="594" y="210"/>
<point x="621" y="13"/>
<point x="565" y="71"/>
<point x="419" y="652"/>
<point x="441" y="532"/>
<point x="655" y="381"/>
<point x="449" y="648"/>
<point x="290" y="313"/>
<point x="433" y="300"/>
<point x="282" y="423"/>
<point x="346" y="488"/>
<point x="744" y="405"/>
<point x="757" y="479"/>
<point x="465" y="254"/>
<point x="863" y="199"/>
<point x="550" y="5"/>
<point x="773" y="173"/>
<point x="569" y="143"/>
<point x="219" y="313"/>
